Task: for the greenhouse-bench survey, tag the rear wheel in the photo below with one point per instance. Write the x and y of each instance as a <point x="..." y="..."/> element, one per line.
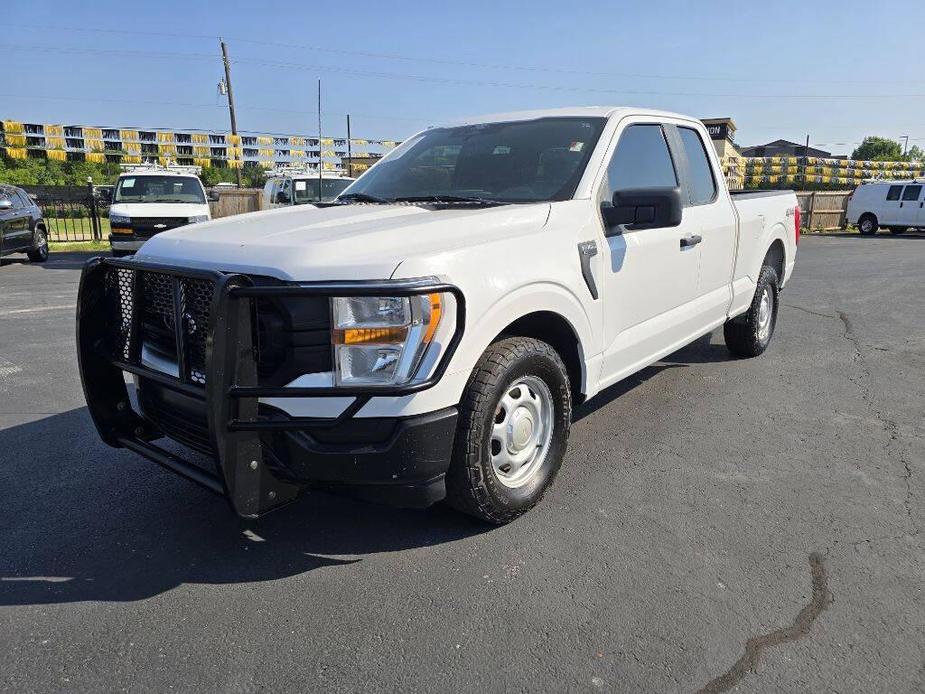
<point x="750" y="334"/>
<point x="513" y="430"/>
<point x="898" y="230"/>
<point x="867" y="224"/>
<point x="39" y="252"/>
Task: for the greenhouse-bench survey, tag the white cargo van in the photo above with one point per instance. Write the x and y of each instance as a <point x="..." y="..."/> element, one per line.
<point x="149" y="199"/>
<point x="301" y="187"/>
<point x="895" y="205"/>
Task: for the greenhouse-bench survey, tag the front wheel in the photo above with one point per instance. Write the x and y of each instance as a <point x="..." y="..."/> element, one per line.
<point x="39" y="252"/>
<point x="750" y="334"/>
<point x="513" y="430"/>
<point x="868" y="225"/>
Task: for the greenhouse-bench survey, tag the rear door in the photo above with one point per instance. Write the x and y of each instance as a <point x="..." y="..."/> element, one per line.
<point x="708" y="214"/>
<point x="909" y="205"/>
<point x="648" y="276"/>
<point x="18" y="234"/>
<point x="889" y="212"/>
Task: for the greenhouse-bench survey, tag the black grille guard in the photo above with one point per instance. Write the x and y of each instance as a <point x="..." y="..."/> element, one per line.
<point x="232" y="390"/>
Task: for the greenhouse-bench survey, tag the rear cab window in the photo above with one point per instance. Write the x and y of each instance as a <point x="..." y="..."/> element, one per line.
<point x="701" y="184"/>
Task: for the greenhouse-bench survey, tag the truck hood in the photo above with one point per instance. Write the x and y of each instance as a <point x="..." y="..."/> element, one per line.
<point x="338" y="243"/>
<point x="159" y="209"/>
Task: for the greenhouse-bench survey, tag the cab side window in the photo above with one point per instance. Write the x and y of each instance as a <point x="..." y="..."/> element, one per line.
<point x="911" y="193"/>
<point x="701" y="183"/>
<point x="641" y="160"/>
<point x="894" y="192"/>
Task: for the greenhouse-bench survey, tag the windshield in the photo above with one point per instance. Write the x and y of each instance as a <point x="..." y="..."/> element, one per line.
<point x="521" y="161"/>
<point x="159" y="189"/>
<point x="306" y="190"/>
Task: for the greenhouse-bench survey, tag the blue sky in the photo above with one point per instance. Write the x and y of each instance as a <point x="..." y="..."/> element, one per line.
<point x="834" y="71"/>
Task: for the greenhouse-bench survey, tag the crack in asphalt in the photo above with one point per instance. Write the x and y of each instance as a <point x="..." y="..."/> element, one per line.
<point x="811" y="312"/>
<point x="821" y="599"/>
<point x="888" y="424"/>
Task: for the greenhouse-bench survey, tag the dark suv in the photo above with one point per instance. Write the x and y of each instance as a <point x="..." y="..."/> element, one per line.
<point x="22" y="229"/>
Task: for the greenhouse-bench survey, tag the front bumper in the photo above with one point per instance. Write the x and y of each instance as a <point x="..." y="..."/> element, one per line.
<point x="263" y="457"/>
<point x="125" y="242"/>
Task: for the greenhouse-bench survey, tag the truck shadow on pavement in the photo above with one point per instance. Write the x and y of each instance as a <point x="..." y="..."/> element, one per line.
<point x="84" y="522"/>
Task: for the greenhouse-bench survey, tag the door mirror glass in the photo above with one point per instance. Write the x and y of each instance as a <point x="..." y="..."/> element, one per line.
<point x="213" y="196"/>
<point x="5" y="204"/>
<point x="643" y="208"/>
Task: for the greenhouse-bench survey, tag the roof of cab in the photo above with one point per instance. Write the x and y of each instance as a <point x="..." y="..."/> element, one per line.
<point x="567" y="112"/>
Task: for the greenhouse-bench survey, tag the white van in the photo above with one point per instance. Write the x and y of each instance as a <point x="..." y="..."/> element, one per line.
<point x="301" y="187"/>
<point x="149" y="199"/>
<point x="895" y="205"/>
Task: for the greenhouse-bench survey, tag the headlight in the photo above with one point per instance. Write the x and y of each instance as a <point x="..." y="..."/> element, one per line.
<point x="119" y="220"/>
<point x="381" y="340"/>
<point x="199" y="218"/>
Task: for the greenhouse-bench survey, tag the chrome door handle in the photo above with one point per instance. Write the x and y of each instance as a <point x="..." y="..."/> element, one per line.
<point x="691" y="241"/>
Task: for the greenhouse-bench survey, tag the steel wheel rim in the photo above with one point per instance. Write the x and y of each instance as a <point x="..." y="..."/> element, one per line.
<point x="521" y="432"/>
<point x="43" y="243"/>
<point x="765" y="310"/>
<point x="866" y="225"/>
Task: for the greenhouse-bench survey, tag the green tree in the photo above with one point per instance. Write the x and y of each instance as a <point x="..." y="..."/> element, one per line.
<point x="878" y="149"/>
<point x="915" y="153"/>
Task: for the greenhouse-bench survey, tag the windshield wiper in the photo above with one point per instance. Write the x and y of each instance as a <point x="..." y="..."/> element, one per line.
<point x="361" y="197"/>
<point x="449" y="198"/>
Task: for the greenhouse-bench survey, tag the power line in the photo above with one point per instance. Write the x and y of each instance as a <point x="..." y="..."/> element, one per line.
<point x="458" y="81"/>
<point x="463" y="63"/>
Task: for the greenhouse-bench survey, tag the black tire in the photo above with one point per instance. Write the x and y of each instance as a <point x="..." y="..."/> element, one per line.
<point x="743" y="334"/>
<point x="39" y="252"/>
<point x="473" y="485"/>
<point x="898" y="230"/>
<point x="868" y="224"/>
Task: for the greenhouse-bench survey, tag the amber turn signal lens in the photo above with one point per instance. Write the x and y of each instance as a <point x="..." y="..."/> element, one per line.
<point x="120" y="230"/>
<point x="359" y="336"/>
<point x="436" y="311"/>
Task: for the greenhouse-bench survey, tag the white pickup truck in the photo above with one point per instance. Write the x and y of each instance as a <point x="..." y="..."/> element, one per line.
<point x="427" y="335"/>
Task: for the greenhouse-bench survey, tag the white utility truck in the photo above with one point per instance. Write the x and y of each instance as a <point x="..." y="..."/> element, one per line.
<point x="150" y="198"/>
<point x="426" y="335"/>
<point x="896" y="205"/>
<point x="302" y="186"/>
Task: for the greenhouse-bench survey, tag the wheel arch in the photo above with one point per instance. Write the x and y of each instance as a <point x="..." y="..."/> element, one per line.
<point x="776" y="257"/>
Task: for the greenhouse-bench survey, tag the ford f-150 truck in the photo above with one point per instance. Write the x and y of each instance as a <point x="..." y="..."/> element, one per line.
<point x="426" y="335"/>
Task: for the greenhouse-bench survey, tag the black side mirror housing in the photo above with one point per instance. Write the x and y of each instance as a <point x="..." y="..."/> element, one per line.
<point x="283" y="197"/>
<point x="642" y="208"/>
<point x="213" y="196"/>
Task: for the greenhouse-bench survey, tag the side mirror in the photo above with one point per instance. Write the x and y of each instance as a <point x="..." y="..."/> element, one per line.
<point x="5" y="205"/>
<point x="643" y="208"/>
<point x="104" y="194"/>
<point x="213" y="196"/>
<point x="283" y="197"/>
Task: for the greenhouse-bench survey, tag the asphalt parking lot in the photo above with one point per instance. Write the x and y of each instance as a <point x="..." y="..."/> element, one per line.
<point x="718" y="523"/>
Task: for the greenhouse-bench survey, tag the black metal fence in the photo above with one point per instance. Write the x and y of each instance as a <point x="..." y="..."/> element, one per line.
<point x="72" y="213"/>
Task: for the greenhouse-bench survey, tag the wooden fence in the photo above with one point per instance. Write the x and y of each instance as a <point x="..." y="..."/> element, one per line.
<point x="824" y="209"/>
<point x="235" y="201"/>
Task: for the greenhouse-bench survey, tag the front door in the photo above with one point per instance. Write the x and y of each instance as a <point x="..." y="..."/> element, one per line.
<point x="909" y="206"/>
<point x="17" y="234"/>
<point x="648" y="275"/>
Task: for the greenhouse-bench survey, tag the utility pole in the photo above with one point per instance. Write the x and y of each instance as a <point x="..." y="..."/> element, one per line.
<point x="234" y="122"/>
<point x="349" y="150"/>
<point x="805" y="159"/>
<point x="320" y="145"/>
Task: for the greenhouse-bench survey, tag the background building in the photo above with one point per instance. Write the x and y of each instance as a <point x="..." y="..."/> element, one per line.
<point x="786" y="148"/>
<point x="204" y="148"/>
